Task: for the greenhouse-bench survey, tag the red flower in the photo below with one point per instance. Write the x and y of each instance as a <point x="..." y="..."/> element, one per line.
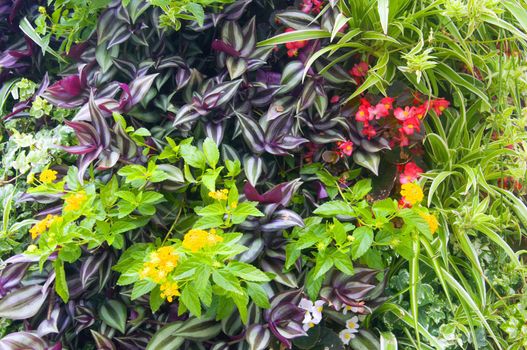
<point x="359" y="70"/>
<point x="403" y="139"/>
<point x="292" y="47"/>
<point x="314" y="6"/>
<point x="439" y="105"/>
<point x="403" y="203"/>
<point x="411" y="125"/>
<point x="419" y="112"/>
<point x="387" y="102"/>
<point x="335" y="99"/>
<point x="292" y="52"/>
<point x="410" y="173"/>
<point x="369" y="131"/>
<point x="363" y="114"/>
<point x="403" y="114"/>
<point x="346" y="147"/>
<point x="380" y="111"/>
<point x="365" y="102"/>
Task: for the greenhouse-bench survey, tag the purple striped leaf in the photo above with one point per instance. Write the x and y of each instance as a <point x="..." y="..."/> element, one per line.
<point x="22" y="341"/>
<point x="22" y="303"/>
<point x="253" y="167"/>
<point x="257" y="337"/>
<point x="297" y="19"/>
<point x="11" y="276"/>
<point x="102" y="341"/>
<point x="282" y="220"/>
<point x="252" y="133"/>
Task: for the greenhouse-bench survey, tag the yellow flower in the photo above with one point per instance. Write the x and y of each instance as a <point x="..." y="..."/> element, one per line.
<point x="234" y="205"/>
<point x="48" y="176"/>
<point x="160" y="263"/>
<point x="169" y="290"/>
<point x="412" y="193"/>
<point x="431" y="220"/>
<point x="42" y="10"/>
<point x="194" y="240"/>
<point x="75" y="201"/>
<point x="44" y="224"/>
<point x="220" y="194"/>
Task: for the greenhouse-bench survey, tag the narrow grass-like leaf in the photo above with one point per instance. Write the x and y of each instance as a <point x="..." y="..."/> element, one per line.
<point x="307" y="34"/>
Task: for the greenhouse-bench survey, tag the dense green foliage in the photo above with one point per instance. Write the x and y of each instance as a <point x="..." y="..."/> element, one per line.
<point x="261" y="174"/>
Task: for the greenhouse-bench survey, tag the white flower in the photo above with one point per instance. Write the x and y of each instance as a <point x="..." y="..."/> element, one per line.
<point x="353" y="324"/>
<point x="346" y="335"/>
<point x="354" y="309"/>
<point x="306" y="326"/>
<point x="313" y="314"/>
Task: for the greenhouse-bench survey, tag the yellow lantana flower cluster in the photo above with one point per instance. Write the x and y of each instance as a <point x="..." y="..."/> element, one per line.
<point x="75" y="201"/>
<point x="44" y="224"/>
<point x="412" y="193"/>
<point x="220" y="194"/>
<point x="160" y="264"/>
<point x="169" y="290"/>
<point x="47" y="176"/>
<point x="194" y="240"/>
<point x="431" y="220"/>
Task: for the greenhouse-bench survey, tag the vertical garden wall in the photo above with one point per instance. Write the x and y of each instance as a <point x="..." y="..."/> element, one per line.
<point x="263" y="174"/>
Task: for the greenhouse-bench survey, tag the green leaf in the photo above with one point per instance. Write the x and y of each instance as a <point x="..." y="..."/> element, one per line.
<point x="212" y="154"/>
<point x="28" y="30"/>
<point x="247" y="272"/>
<point x="207" y="222"/>
<point x="298" y="35"/>
<point x="113" y="313"/>
<point x="190" y="298"/>
<point x="313" y="285"/>
<point x="384" y="208"/>
<point x="241" y="301"/>
<point x="343" y="263"/>
<point x="70" y="253"/>
<point x="209" y="178"/>
<point x="338" y="231"/>
<point x="155" y="299"/>
<point x="142" y="287"/>
<point x="363" y="239"/>
<point x="334" y="208"/>
<point x="61" y="285"/>
<point x="213" y="209"/>
<point x="197" y="12"/>
<point x="258" y="295"/>
<point x="227" y="281"/>
<point x="322" y="265"/>
<point x="388" y="341"/>
<point x="383" y="6"/>
<point x="361" y="189"/>
<point x="193" y="156"/>
<point x="245" y="209"/>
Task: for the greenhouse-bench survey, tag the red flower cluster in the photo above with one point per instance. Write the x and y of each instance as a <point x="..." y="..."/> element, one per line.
<point x="509" y="183"/>
<point x="367" y="113"/>
<point x="408" y="119"/>
<point x="409" y="172"/>
<point x="311" y="6"/>
<point x="292" y="47"/>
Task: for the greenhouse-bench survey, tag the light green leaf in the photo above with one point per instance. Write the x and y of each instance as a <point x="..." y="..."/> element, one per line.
<point x="363" y="239"/>
<point x="334" y="208"/>
<point x="212" y="153"/>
